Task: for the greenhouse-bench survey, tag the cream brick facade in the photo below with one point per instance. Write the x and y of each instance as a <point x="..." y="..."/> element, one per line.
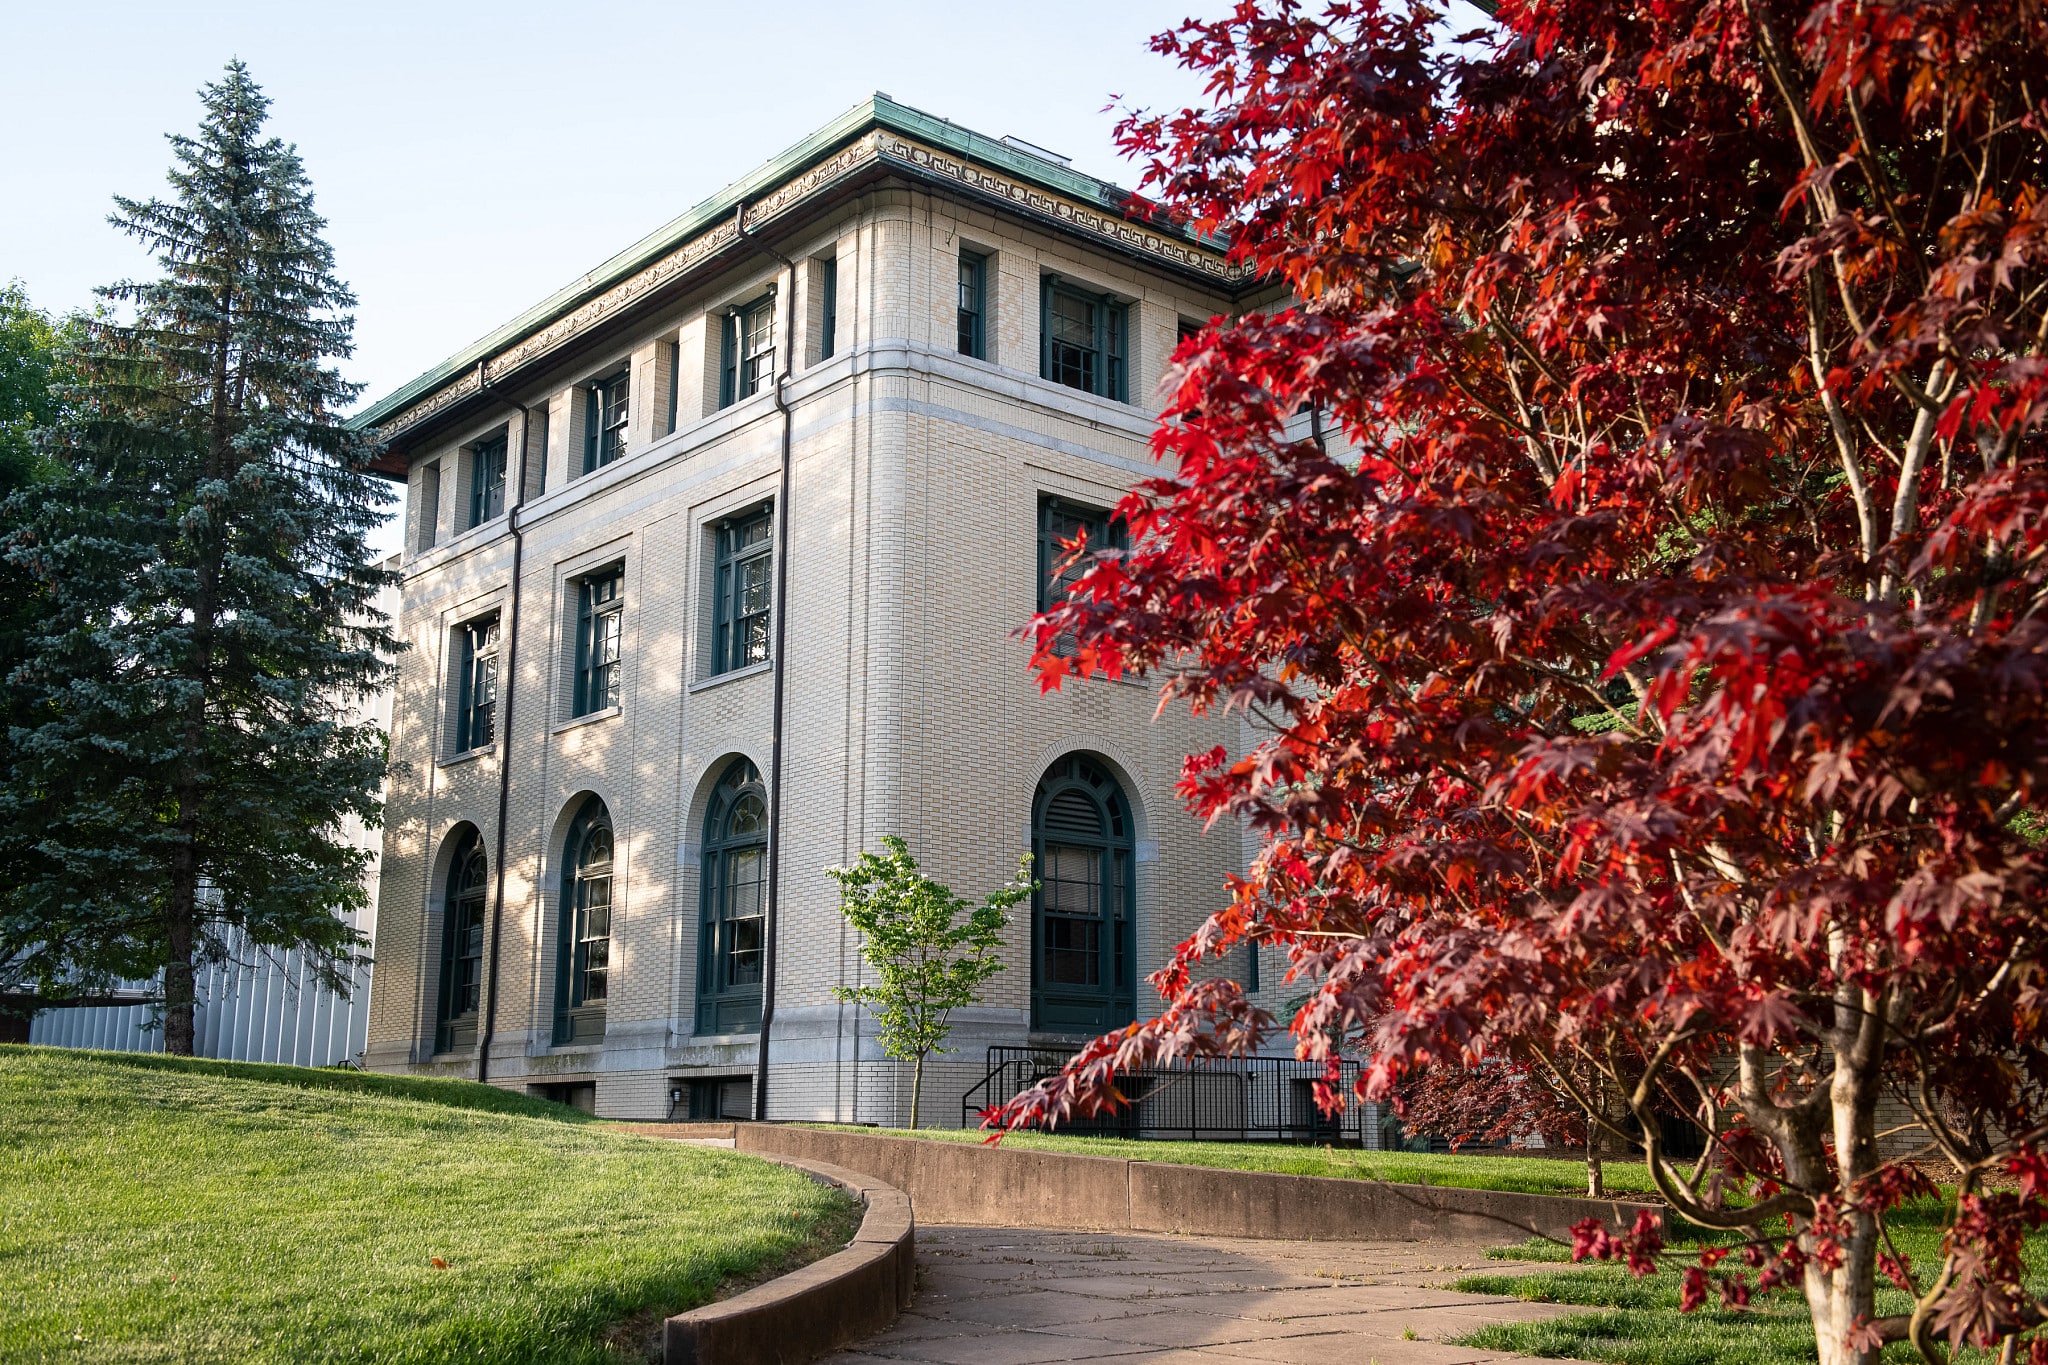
<point x="916" y="479"/>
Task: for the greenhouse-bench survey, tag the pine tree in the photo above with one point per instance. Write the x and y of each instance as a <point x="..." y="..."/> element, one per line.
<point x="190" y="748"/>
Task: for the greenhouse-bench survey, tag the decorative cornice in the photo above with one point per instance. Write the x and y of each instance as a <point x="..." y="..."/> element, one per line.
<point x="1122" y="231"/>
<point x="877" y="144"/>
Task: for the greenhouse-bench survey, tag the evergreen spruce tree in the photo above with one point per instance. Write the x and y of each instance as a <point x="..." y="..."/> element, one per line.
<point x="186" y="744"/>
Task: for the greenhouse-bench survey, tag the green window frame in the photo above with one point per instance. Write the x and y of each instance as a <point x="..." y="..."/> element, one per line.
<point x="828" y="324"/>
<point x="974" y="305"/>
<point x="607" y="407"/>
<point x="1060" y="522"/>
<point x="462" y="945"/>
<point x="748" y="350"/>
<point x="1083" y="953"/>
<point x="1083" y="339"/>
<point x="476" y="703"/>
<point x="600" y="612"/>
<point x="583" y="957"/>
<point x="487" y="478"/>
<point x="742" y="586"/>
<point x="732" y="909"/>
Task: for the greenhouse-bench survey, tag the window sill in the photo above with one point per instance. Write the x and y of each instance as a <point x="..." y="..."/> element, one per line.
<point x="732" y="675"/>
<point x="570" y="724"/>
<point x="715" y="1039"/>
<point x="469" y="755"/>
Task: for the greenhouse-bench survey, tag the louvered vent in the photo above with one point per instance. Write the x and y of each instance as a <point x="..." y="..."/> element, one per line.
<point x="1072" y="814"/>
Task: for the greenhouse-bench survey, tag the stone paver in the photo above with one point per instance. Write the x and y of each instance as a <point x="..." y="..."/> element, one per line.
<point x="1011" y="1296"/>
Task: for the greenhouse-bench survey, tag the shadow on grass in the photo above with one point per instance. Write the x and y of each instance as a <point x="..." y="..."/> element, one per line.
<point x="455" y="1094"/>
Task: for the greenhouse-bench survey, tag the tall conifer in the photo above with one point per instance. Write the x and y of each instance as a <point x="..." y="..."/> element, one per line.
<point x="191" y="748"/>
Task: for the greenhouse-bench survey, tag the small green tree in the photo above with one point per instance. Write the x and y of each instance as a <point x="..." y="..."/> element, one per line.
<point x="928" y="961"/>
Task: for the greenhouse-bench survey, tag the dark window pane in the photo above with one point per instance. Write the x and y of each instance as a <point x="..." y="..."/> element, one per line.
<point x="973" y="291"/>
<point x="1072" y="341"/>
<point x="487" y="480"/>
<point x="1073" y="951"/>
<point x="748" y="816"/>
<point x="744" y="958"/>
<point x="828" y="285"/>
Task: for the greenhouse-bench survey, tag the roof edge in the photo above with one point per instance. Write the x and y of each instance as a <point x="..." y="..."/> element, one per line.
<point x="877" y="111"/>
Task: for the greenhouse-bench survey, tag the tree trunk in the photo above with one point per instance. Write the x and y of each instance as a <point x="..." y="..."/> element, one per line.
<point x="916" y="1088"/>
<point x="1840" y="1298"/>
<point x="182" y="917"/>
<point x="1596" y="1178"/>
<point x="179" y="987"/>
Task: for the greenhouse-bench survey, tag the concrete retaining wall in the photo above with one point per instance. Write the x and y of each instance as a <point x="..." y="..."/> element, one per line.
<point x="829" y="1304"/>
<point x="958" y="1182"/>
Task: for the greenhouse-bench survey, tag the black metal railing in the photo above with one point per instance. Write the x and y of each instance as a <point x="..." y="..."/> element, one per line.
<point x="1244" y="1099"/>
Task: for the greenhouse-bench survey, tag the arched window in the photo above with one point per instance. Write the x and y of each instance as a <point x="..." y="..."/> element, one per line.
<point x="734" y="904"/>
<point x="1082" y="947"/>
<point x="583" y="980"/>
<point x="462" y="945"/>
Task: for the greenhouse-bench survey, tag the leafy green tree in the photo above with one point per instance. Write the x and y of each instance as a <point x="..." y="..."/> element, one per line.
<point x="208" y="622"/>
<point x="928" y="961"/>
<point x="32" y="372"/>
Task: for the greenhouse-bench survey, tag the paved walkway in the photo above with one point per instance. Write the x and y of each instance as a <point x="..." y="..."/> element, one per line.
<point x="1008" y="1296"/>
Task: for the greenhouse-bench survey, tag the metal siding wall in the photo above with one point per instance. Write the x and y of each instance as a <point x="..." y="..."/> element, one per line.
<point x="274" y="1011"/>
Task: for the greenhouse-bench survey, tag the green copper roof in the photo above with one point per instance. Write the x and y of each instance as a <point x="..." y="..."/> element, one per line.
<point x="878" y="110"/>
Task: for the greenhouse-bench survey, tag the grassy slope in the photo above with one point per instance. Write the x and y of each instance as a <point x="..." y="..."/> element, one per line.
<point x="1639" y="1322"/>
<point x="155" y="1209"/>
<point x="1526" y="1175"/>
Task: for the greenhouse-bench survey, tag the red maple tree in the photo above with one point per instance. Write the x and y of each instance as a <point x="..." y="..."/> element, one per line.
<point x="1631" y="533"/>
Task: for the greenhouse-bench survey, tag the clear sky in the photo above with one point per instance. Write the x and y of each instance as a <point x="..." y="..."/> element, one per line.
<point x="470" y="158"/>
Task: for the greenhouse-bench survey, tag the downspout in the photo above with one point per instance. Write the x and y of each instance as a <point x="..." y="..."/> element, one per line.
<point x="507" y="682"/>
<point x="778" y="672"/>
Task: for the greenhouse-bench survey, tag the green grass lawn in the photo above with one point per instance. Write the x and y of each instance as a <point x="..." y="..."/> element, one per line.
<point x="1522" y="1174"/>
<point x="1638" y="1322"/>
<point x="158" y="1209"/>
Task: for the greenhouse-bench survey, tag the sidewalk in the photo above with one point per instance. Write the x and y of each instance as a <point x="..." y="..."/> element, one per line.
<point x="1012" y="1296"/>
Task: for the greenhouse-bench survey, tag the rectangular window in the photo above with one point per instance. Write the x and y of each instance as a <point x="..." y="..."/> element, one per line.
<point x="740" y="593"/>
<point x="429" y="530"/>
<point x="487" y="479"/>
<point x="606" y="409"/>
<point x="828" y="326"/>
<point x="1072" y="920"/>
<point x="973" y="304"/>
<point x="749" y="350"/>
<point x="599" y="610"/>
<point x="476" y="715"/>
<point x="592" y="962"/>
<point x="747" y="880"/>
<point x="1059" y="524"/>
<point x="1084" y="340"/>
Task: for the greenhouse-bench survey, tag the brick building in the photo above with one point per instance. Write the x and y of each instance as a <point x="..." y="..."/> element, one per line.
<point x="792" y="466"/>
